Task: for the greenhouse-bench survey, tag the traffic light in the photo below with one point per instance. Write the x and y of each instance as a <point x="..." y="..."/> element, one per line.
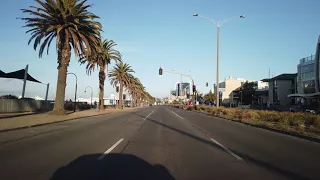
<point x="160" y="71"/>
<point x="207" y="84"/>
<point x="124" y="96"/>
<point x="194" y="88"/>
<point x="117" y="89"/>
<point x="188" y="95"/>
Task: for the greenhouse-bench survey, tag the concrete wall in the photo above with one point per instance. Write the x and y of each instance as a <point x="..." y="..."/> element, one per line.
<point x="230" y="85"/>
<point x="24" y="105"/>
<point x="284" y="89"/>
<point x="271" y="92"/>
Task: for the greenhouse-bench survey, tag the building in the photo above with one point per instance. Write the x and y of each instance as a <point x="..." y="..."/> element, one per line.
<point x="186" y="87"/>
<point x="280" y="87"/>
<point x="227" y="87"/>
<point x="308" y="84"/>
<point x="261" y="93"/>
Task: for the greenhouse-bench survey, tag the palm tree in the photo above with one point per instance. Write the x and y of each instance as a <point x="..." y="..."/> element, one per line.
<point x="133" y="87"/>
<point x="101" y="57"/>
<point x="121" y="75"/>
<point x="73" y="26"/>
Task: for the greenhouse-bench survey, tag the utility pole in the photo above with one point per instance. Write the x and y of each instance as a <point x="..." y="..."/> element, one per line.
<point x="25" y="80"/>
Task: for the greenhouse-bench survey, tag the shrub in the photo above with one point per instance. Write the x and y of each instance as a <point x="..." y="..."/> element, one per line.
<point x="248" y="114"/>
<point x="9" y="96"/>
<point x="189" y="108"/>
<point x="311" y="120"/>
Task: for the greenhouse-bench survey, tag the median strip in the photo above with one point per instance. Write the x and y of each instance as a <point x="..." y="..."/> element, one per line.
<point x="110" y="149"/>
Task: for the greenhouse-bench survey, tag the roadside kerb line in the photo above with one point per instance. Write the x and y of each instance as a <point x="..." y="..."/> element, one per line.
<point x="177" y="115"/>
<point x="148" y="115"/>
<point x="110" y="149"/>
<point x="226" y="149"/>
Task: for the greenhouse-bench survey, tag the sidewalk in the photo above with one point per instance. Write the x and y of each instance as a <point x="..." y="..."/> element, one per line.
<point x="30" y="120"/>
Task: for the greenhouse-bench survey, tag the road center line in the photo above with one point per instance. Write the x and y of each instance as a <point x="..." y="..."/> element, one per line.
<point x="110" y="149"/>
<point x="226" y="149"/>
<point x="148" y="115"/>
<point x="177" y="115"/>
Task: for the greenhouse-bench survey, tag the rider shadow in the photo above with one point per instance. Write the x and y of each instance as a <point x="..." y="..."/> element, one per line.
<point x="113" y="166"/>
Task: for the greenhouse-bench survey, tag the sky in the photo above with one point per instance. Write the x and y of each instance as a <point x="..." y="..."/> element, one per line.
<point x="275" y="34"/>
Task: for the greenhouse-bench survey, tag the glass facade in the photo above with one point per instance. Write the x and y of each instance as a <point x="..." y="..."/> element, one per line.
<point x="306" y="75"/>
<point x="185" y="89"/>
<point x="309" y="86"/>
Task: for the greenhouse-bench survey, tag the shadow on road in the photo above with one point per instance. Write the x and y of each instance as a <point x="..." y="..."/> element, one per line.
<point x="270" y="166"/>
<point x="112" y="166"/>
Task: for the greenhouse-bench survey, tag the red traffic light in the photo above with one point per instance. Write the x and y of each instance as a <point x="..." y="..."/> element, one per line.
<point x="160" y="71"/>
<point x="194" y="88"/>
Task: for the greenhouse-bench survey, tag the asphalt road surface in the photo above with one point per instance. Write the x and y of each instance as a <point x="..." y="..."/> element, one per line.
<point x="157" y="142"/>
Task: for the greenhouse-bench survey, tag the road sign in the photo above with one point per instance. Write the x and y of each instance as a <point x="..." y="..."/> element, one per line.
<point x="111" y="102"/>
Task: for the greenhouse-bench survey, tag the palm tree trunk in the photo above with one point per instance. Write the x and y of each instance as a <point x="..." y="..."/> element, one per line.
<point x="102" y="78"/>
<point x="120" y="95"/>
<point x="132" y="98"/>
<point x="64" y="55"/>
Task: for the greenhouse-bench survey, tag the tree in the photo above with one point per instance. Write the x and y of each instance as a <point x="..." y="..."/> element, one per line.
<point x="134" y="87"/>
<point x="100" y="58"/>
<point x="210" y="97"/>
<point x="73" y="26"/>
<point x="248" y="91"/>
<point x="120" y="74"/>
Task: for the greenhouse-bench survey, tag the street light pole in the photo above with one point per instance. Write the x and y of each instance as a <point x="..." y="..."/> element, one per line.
<point x="91" y="93"/>
<point x="75" y="94"/>
<point x="218" y="24"/>
<point x="218" y="59"/>
<point x="180" y="89"/>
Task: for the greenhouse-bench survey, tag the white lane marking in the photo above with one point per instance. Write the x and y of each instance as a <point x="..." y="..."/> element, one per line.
<point x="226" y="149"/>
<point x="110" y="149"/>
<point x="177" y="115"/>
<point x="148" y="115"/>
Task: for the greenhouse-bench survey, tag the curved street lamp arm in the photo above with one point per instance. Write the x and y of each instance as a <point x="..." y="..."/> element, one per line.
<point x="211" y="20"/>
<point x="226" y="20"/>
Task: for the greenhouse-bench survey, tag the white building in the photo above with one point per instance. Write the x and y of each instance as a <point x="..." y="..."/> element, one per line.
<point x="231" y="84"/>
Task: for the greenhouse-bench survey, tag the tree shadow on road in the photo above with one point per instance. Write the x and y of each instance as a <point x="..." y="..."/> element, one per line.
<point x="267" y="165"/>
<point x="113" y="166"/>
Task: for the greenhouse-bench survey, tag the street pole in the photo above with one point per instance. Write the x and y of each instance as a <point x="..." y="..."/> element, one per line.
<point x="47" y="92"/>
<point x="91" y="93"/>
<point x="218" y="24"/>
<point x="75" y="94"/>
<point x="180" y="88"/>
<point x="25" y="80"/>
<point x="218" y="58"/>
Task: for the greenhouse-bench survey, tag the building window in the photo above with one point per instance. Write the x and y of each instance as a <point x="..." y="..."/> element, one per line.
<point x="308" y="86"/>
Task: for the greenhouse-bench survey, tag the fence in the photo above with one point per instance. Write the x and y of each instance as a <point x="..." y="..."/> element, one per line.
<point x="24" y="105"/>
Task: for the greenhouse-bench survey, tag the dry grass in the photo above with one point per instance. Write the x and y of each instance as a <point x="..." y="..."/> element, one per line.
<point x="301" y="123"/>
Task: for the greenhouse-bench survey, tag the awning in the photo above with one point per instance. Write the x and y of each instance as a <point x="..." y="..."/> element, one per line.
<point x="18" y="75"/>
<point x="311" y="95"/>
<point x="2" y="74"/>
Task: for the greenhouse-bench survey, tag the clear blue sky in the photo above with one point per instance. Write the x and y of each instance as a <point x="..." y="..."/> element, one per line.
<point x="150" y="34"/>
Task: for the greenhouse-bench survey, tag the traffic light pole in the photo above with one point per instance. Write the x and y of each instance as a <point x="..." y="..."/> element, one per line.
<point x="181" y="78"/>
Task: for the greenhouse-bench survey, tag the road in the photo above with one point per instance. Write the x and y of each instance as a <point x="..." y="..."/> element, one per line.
<point x="157" y="142"/>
